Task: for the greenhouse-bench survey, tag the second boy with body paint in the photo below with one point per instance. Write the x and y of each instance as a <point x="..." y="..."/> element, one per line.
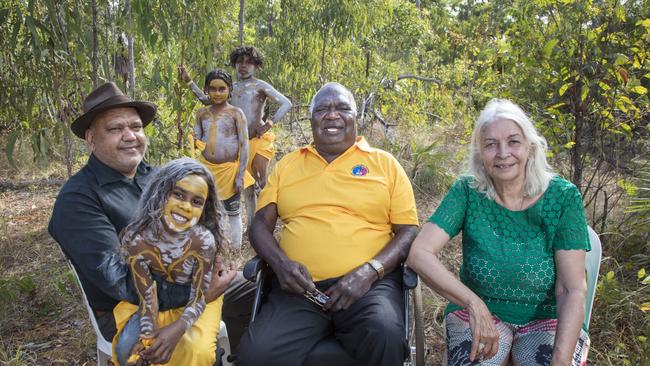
<point x="250" y="94"/>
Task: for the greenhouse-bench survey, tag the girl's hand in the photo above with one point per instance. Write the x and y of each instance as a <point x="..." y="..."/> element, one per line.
<point x="485" y="337"/>
<point x="165" y="340"/>
<point x="134" y="358"/>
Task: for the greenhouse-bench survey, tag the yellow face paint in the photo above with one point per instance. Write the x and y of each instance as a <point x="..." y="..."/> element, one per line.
<point x="184" y="205"/>
<point x="218" y="91"/>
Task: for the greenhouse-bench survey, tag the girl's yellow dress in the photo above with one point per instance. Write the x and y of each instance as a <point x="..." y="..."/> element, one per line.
<point x="198" y="345"/>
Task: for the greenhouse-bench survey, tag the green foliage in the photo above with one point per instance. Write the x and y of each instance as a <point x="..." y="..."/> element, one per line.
<point x="14" y="357"/>
<point x="12" y="287"/>
<point x="615" y="298"/>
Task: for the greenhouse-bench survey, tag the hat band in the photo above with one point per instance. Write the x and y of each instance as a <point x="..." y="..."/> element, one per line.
<point x="117" y="99"/>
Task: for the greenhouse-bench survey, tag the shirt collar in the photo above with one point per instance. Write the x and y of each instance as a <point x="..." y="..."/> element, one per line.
<point x="106" y="174"/>
<point x="360" y="143"/>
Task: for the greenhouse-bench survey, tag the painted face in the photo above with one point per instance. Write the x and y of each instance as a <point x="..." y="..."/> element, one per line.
<point x="504" y="151"/>
<point x="333" y="121"/>
<point x="245" y="67"/>
<point x="184" y="205"/>
<point x="117" y="139"/>
<point x="218" y="91"/>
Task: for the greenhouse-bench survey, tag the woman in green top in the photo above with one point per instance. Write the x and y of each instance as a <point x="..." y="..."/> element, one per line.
<point x="521" y="293"/>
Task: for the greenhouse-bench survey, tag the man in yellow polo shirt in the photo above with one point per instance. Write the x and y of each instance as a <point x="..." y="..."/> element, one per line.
<point x="349" y="219"/>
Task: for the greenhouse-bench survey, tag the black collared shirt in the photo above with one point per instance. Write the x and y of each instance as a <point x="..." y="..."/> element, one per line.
<point x="90" y="211"/>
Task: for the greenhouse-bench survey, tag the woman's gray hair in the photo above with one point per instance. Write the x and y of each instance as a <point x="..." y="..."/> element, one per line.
<point x="538" y="171"/>
<point x="154" y="197"/>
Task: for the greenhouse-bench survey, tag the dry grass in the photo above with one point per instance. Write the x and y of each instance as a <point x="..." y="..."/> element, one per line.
<point x="42" y="318"/>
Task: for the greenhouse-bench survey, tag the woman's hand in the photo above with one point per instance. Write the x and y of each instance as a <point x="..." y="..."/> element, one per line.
<point x="164" y="342"/>
<point x="485" y="337"/>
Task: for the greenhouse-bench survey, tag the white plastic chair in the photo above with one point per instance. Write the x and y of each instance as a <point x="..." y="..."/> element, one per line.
<point x="592" y="267"/>
<point x="224" y="343"/>
<point x="104" y="347"/>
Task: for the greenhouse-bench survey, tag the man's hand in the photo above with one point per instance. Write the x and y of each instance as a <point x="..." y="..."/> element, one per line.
<point x="221" y="279"/>
<point x="239" y="183"/>
<point x="183" y="74"/>
<point x="350" y="288"/>
<point x="294" y="277"/>
<point x="165" y="341"/>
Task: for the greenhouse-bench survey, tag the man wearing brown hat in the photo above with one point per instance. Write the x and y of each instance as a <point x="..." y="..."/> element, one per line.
<point x="100" y="200"/>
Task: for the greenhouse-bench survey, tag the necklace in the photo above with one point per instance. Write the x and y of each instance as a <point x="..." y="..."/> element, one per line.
<point x="503" y="203"/>
<point x="521" y="205"/>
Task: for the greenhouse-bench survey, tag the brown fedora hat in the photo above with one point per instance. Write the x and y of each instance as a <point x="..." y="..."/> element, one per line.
<point x="108" y="96"/>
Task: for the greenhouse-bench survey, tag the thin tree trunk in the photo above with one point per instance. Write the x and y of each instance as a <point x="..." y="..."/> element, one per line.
<point x="179" y="116"/>
<point x="269" y="21"/>
<point x="576" y="153"/>
<point x="63" y="115"/>
<point x="322" y="56"/>
<point x="67" y="142"/>
<point x="367" y="64"/>
<point x="577" y="163"/>
<point x="129" y="37"/>
<point x="94" y="58"/>
<point x="241" y="22"/>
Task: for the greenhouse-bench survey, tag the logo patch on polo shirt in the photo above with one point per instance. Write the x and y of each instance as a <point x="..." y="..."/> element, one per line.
<point x="359" y="170"/>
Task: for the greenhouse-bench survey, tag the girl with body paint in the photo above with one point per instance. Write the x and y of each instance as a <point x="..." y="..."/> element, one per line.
<point x="220" y="132"/>
<point x="175" y="235"/>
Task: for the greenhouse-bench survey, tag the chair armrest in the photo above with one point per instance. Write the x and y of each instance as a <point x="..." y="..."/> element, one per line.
<point x="252" y="267"/>
<point x="409" y="278"/>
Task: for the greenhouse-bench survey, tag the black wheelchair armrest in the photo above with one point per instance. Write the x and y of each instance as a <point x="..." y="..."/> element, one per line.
<point x="409" y="278"/>
<point x="252" y="267"/>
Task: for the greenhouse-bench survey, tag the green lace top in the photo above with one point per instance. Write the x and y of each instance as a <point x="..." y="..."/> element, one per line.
<point x="508" y="256"/>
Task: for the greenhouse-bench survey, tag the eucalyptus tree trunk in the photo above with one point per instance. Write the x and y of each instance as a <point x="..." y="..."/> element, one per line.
<point x="322" y="55"/>
<point x="367" y="64"/>
<point x="179" y="116"/>
<point x="577" y="158"/>
<point x="129" y="37"/>
<point x="94" y="57"/>
<point x="241" y="22"/>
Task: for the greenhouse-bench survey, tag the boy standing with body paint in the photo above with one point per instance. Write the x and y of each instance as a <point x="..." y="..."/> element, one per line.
<point x="221" y="132"/>
<point x="250" y="94"/>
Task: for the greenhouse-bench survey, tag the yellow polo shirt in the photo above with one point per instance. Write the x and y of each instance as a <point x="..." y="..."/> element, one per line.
<point x="337" y="216"/>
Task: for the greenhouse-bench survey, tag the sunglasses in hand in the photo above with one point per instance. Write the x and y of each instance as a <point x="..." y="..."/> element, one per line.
<point x="317" y="298"/>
